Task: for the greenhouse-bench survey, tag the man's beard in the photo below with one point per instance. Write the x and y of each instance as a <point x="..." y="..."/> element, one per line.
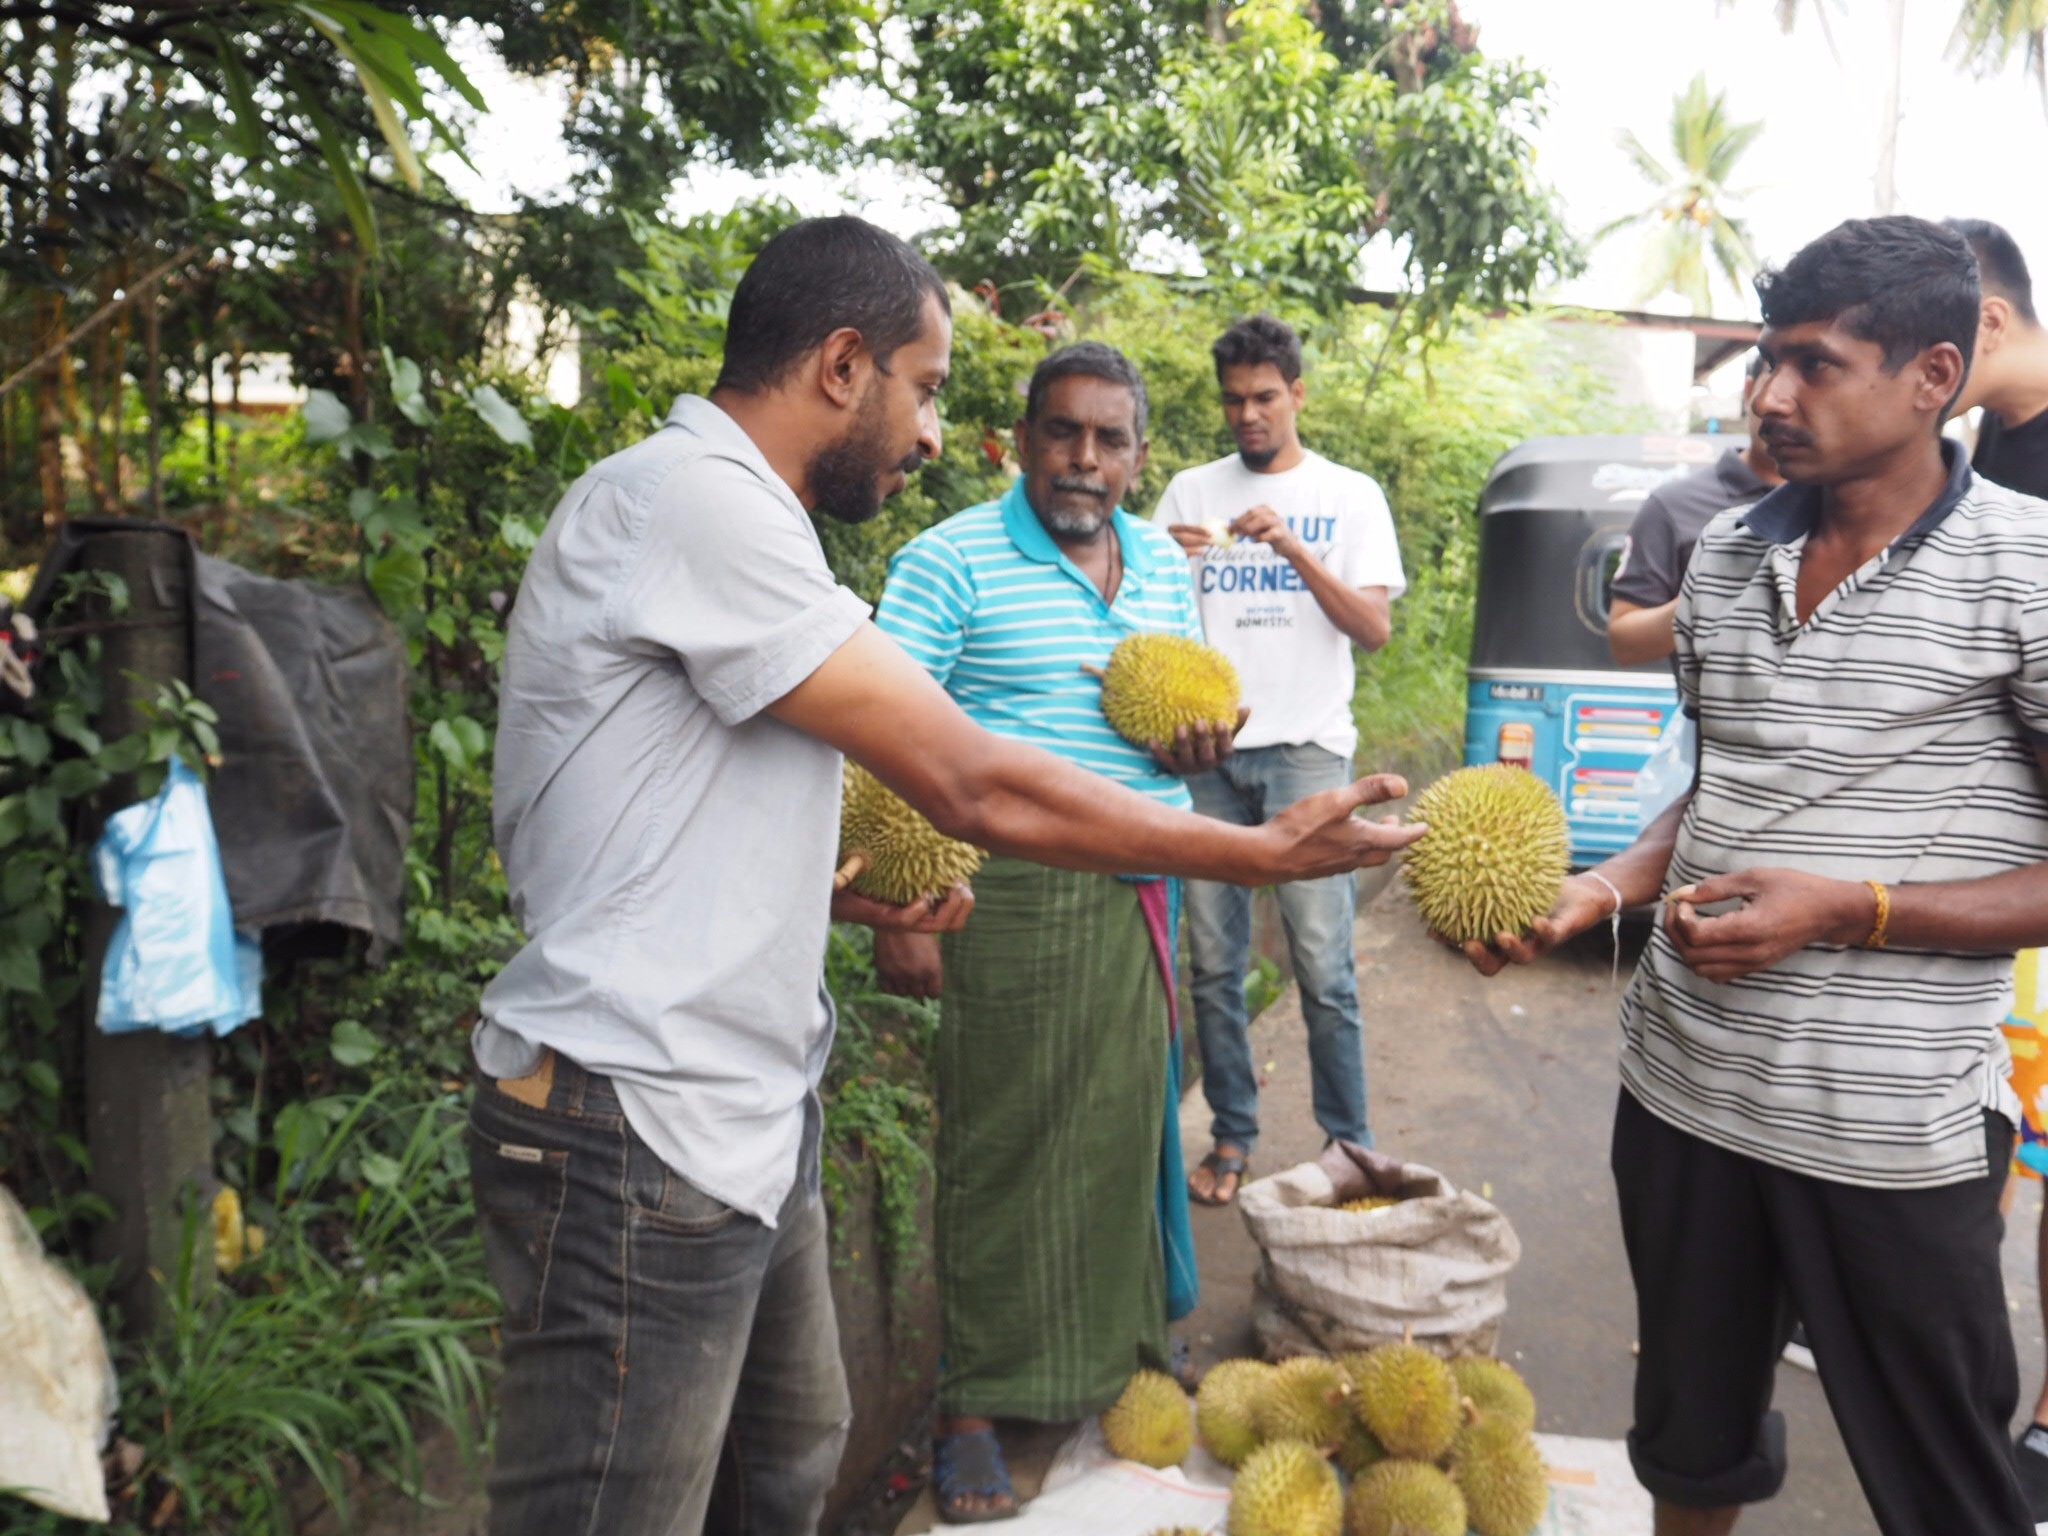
<point x="1258" y="459"/>
<point x="846" y="477"/>
<point x="1077" y="524"/>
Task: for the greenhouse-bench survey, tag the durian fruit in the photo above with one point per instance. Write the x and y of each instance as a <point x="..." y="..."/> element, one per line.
<point x="1226" y="1408"/>
<point x="895" y="855"/>
<point x="1152" y="1422"/>
<point x="1285" y="1488"/>
<point x="1305" y="1400"/>
<point x="1370" y="1203"/>
<point x="1495" y="1389"/>
<point x="1408" y="1398"/>
<point x="1501" y="1474"/>
<point x="1220" y="536"/>
<point x="1404" y="1498"/>
<point x="1157" y="683"/>
<point x="1359" y="1450"/>
<point x="1496" y="854"/>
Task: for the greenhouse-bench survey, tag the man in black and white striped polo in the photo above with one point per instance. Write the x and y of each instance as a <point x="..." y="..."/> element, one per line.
<point x="1815" y="1115"/>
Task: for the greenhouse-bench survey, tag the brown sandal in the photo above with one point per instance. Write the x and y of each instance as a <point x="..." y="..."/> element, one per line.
<point x="1221" y="1165"/>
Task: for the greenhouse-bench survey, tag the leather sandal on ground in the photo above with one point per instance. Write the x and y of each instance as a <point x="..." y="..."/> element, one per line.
<point x="970" y="1465"/>
<point x="1221" y="1165"/>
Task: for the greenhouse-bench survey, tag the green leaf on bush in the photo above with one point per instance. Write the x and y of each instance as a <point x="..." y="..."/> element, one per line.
<point x="13" y="819"/>
<point x="77" y="776"/>
<point x="31" y="742"/>
<point x="42" y="1077"/>
<point x="471" y="735"/>
<point x="441" y="737"/>
<point x="352" y="1044"/>
<point x="500" y="415"/>
<point x="327" y="419"/>
<point x="398" y="576"/>
<point x="380" y="1171"/>
<point x="21" y="880"/>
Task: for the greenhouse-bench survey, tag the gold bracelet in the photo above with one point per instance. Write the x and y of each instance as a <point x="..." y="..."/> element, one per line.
<point x="1884" y="915"/>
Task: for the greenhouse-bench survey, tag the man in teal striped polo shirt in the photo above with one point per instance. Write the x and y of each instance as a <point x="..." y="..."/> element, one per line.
<point x="1053" y="1053"/>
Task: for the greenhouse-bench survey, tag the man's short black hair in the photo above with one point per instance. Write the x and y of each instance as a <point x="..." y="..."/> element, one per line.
<point x="1096" y="360"/>
<point x="814" y="278"/>
<point x="1259" y="339"/>
<point x="1906" y="284"/>
<point x="2000" y="266"/>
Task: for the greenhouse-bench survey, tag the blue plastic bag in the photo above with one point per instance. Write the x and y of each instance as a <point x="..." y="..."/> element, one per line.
<point x="175" y="961"/>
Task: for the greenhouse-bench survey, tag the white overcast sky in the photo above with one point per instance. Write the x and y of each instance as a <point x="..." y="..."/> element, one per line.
<point x="1967" y="147"/>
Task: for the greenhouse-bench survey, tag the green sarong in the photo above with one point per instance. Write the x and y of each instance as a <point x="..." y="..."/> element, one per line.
<point x="1051" y="1067"/>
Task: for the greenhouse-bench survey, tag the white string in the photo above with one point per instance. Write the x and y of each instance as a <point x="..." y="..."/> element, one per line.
<point x="1613" y="928"/>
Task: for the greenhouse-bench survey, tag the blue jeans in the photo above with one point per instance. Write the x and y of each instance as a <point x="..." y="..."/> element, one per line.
<point x="1253" y="786"/>
<point x="671" y="1365"/>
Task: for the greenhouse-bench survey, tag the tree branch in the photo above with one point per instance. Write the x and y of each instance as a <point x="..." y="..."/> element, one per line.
<point x="50" y="355"/>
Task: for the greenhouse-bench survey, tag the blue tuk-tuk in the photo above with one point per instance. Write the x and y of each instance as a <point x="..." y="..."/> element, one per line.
<point x="1542" y="689"/>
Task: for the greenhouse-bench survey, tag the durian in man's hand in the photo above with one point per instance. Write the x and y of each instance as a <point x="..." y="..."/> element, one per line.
<point x="889" y="852"/>
<point x="1496" y="854"/>
<point x="1157" y="683"/>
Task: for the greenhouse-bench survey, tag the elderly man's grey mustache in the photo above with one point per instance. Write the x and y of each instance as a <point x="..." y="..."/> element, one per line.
<point x="1080" y="487"/>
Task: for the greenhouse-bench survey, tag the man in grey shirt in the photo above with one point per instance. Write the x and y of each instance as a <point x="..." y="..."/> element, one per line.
<point x="681" y="678"/>
<point x="1668" y="525"/>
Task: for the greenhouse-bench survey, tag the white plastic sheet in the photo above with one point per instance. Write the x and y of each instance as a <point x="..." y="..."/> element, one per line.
<point x="57" y="1390"/>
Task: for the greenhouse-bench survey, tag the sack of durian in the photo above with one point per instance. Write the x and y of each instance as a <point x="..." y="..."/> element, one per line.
<point x="1413" y="1256"/>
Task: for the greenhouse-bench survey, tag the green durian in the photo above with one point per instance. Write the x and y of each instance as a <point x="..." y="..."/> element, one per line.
<point x="903" y="856"/>
<point x="1496" y="854"/>
<point x="1501" y="1473"/>
<point x="1285" y="1488"/>
<point x="1156" y="683"/>
<point x="1226" y="1408"/>
<point x="1151" y="1422"/>
<point x="1404" y="1498"/>
<point x="1305" y="1400"/>
<point x="1408" y="1398"/>
<point x="1495" y="1389"/>
<point x="1359" y="1450"/>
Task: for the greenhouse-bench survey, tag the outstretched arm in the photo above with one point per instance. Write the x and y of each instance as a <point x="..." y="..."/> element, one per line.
<point x="879" y="707"/>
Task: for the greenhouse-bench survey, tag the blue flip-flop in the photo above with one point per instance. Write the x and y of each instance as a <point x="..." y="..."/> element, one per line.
<point x="969" y="1465"/>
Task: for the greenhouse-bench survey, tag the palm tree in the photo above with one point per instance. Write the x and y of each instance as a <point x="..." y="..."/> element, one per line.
<point x="1694" y="233"/>
<point x="1988" y="33"/>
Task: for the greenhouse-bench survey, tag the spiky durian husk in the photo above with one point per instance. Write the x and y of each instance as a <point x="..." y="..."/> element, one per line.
<point x="906" y="856"/>
<point x="1305" y="1400"/>
<point x="1408" y="1398"/>
<point x="1502" y="1475"/>
<point x="1285" y="1488"/>
<point x="1404" y="1498"/>
<point x="1496" y="854"/>
<point x="1226" y="1408"/>
<point x="1154" y="684"/>
<point x="1152" y="1422"/>
<point x="1496" y="1389"/>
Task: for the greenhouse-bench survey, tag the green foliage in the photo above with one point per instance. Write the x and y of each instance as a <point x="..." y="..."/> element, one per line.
<point x="1273" y="139"/>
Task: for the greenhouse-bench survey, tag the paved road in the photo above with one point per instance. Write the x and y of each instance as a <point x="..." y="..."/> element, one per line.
<point x="1508" y="1086"/>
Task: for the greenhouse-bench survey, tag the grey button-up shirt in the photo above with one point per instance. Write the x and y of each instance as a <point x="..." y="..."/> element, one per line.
<point x="668" y="846"/>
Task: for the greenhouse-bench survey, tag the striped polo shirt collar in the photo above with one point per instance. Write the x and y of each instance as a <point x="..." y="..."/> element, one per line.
<point x="1033" y="542"/>
<point x="1788" y="513"/>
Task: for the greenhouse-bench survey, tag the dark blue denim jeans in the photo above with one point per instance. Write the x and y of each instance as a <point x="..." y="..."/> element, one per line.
<point x="1253" y="786"/>
<point x="671" y="1365"/>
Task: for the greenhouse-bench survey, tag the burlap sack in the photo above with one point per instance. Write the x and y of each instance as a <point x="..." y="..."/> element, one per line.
<point x="1434" y="1266"/>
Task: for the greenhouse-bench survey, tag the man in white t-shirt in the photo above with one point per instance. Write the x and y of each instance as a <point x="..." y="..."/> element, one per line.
<point x="1295" y="562"/>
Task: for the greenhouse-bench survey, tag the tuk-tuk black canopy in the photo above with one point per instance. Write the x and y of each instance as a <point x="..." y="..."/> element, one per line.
<point x="1553" y="518"/>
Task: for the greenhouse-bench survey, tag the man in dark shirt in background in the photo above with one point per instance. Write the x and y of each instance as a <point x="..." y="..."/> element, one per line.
<point x="1668" y="524"/>
<point x="2009" y="378"/>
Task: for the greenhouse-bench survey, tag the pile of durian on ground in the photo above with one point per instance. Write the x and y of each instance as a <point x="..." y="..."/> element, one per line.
<point x="1428" y="1447"/>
